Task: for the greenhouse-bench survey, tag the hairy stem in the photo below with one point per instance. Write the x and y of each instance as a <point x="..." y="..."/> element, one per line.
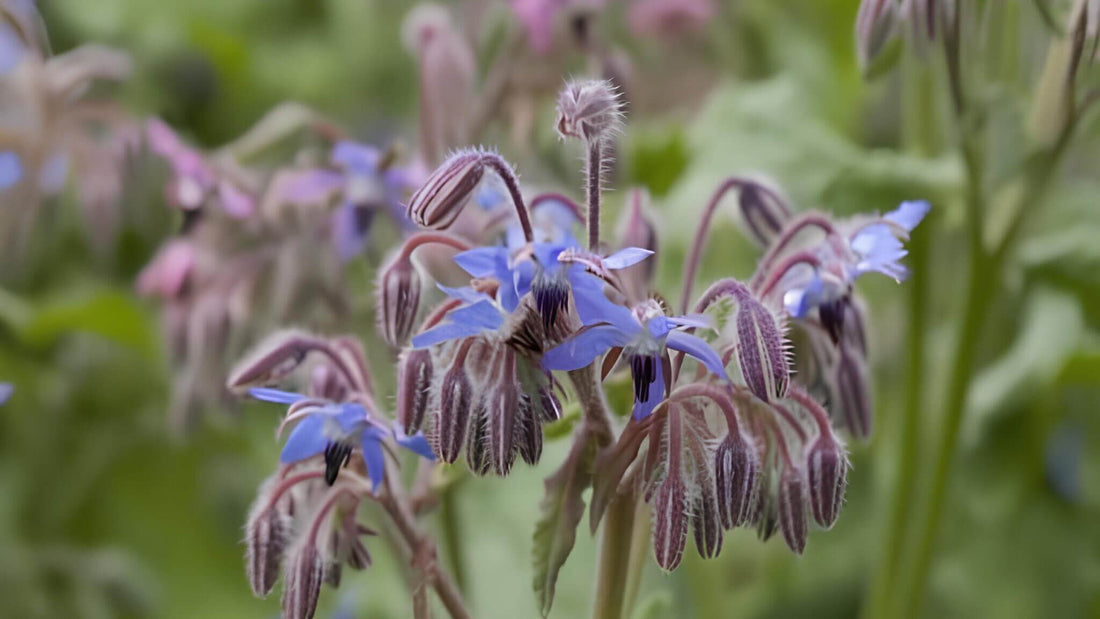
<point x="614" y="563"/>
<point x="594" y="166"/>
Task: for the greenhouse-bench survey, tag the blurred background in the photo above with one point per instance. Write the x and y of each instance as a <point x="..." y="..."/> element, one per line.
<point x="111" y="506"/>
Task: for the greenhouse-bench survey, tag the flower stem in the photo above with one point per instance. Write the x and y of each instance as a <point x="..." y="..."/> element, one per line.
<point x="594" y="165"/>
<point x="614" y="560"/>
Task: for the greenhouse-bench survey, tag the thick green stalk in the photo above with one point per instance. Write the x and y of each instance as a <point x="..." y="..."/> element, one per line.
<point x="450" y="536"/>
<point x="614" y="560"/>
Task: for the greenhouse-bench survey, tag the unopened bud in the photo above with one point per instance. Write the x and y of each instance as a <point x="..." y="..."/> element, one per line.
<point x="876" y="43"/>
<point x="761" y="351"/>
<point x="398" y="300"/>
<point x="502" y="404"/>
<point x="827" y="470"/>
<point x="638" y="230"/>
<point x="477" y="444"/>
<point x="529" y="431"/>
<point x="272" y="359"/>
<point x="589" y="110"/>
<point x="456" y="398"/>
<point x="763" y="210"/>
<point x="265" y="540"/>
<point x="414" y="381"/>
<point x="737" y="479"/>
<point x="706" y="521"/>
<point x="326" y="383"/>
<point x="442" y="197"/>
<point x="791" y="508"/>
<point x="304" y="573"/>
<point x="670" y="524"/>
<point x="852" y="392"/>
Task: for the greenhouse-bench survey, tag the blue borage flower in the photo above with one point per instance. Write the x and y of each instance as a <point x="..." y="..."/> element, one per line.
<point x="874" y="247"/>
<point x="644" y="340"/>
<point x="6" y="391"/>
<point x="333" y="429"/>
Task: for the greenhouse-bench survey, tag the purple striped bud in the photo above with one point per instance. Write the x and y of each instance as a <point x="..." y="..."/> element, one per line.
<point x="398" y="300"/>
<point x="763" y="210"/>
<point x="456" y="398"/>
<point x="876" y="25"/>
<point x="706" y="521"/>
<point x="589" y="110"/>
<point x="442" y="197"/>
<point x="761" y="351"/>
<point x="737" y="479"/>
<point x="827" y="470"/>
<point x="529" y="431"/>
<point x="852" y="392"/>
<point x="414" y="381"/>
<point x="638" y="230"/>
<point x="549" y="408"/>
<point x="304" y="573"/>
<point x="670" y="523"/>
<point x="791" y="505"/>
<point x="265" y="539"/>
<point x="326" y="383"/>
<point x="502" y="405"/>
<point x="477" y="444"/>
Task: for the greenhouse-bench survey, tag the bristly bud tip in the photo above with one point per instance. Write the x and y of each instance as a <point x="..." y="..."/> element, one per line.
<point x="589" y="110"/>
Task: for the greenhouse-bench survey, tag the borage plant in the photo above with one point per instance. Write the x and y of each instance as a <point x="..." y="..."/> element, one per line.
<point x="721" y="433"/>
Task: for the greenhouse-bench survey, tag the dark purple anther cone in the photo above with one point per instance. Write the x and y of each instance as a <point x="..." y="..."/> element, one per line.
<point x="760" y="351"/>
<point x="336" y="456"/>
<point x="551" y="295"/>
<point x="644" y="370"/>
<point x="791" y="507"/>
<point x="736" y="479"/>
<point x="827" y="470"/>
<point x="456" y="398"/>
<point x="398" y="301"/>
<point x="833" y="315"/>
<point x="414" y="380"/>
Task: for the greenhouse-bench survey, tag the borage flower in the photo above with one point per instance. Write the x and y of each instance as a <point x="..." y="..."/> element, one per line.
<point x="335" y="430"/>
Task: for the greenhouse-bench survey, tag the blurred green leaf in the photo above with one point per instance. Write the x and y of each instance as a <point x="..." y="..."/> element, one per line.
<point x="113" y="315"/>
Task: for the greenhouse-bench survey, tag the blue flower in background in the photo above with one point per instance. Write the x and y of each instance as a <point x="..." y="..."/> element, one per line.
<point x="644" y="344"/>
<point x="11" y="169"/>
<point x="335" y="430"/>
<point x="366" y="189"/>
<point x="6" y="390"/>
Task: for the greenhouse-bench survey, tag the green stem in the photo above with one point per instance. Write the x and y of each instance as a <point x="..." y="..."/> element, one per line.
<point x="639" y="553"/>
<point x="614" y="562"/>
<point x="450" y="534"/>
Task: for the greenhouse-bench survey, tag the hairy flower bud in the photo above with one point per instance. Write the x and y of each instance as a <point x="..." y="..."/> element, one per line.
<point x="456" y="398"/>
<point x="529" y="431"/>
<point x="876" y="27"/>
<point x="670" y="523"/>
<point x="638" y="230"/>
<point x="852" y="392"/>
<point x="302" y="587"/>
<point x="827" y="471"/>
<point x="442" y="197"/>
<point x="763" y="210"/>
<point x="477" y="442"/>
<point x="761" y="351"/>
<point x="414" y="381"/>
<point x="265" y="540"/>
<point x="398" y="300"/>
<point x="589" y="110"/>
<point x="737" y="479"/>
<point x="791" y="506"/>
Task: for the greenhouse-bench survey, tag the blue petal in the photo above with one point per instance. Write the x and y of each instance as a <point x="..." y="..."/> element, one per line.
<point x="11" y="48"/>
<point x="275" y="395"/>
<point x="583" y="348"/>
<point x="373" y="457"/>
<point x="465" y="293"/>
<point x="6" y="389"/>
<point x="656" y="396"/>
<point x="415" y="443"/>
<point x="626" y="257"/>
<point x="11" y="169"/>
<point x="307" y="440"/>
<point x="592" y="304"/>
<point x="465" y="321"/>
<point x="909" y="214"/>
<point x="357" y="158"/>
<point x="483" y="261"/>
<point x="659" y="326"/>
<point x="699" y="349"/>
<point x="350" y="417"/>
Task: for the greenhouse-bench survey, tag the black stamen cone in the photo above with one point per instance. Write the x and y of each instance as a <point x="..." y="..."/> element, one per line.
<point x="644" y="369"/>
<point x="336" y="456"/>
<point x="832" y="317"/>
<point x="551" y="297"/>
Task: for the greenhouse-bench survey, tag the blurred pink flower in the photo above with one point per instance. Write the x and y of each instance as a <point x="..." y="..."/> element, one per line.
<point x="539" y="18"/>
<point x="167" y="274"/>
<point x="668" y="18"/>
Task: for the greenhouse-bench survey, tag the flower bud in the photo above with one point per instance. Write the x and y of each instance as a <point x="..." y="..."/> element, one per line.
<point x="304" y="573"/>
<point x="827" y="470"/>
<point x="502" y="404"/>
<point x="265" y="540"/>
<point x="477" y="443"/>
<point x="670" y="524"/>
<point x="414" y="381"/>
<point x="456" y="398"/>
<point x="528" y="431"/>
<point x="763" y="210"/>
<point x="638" y="230"/>
<point x="737" y="479"/>
<point x="589" y="110"/>
<point x="706" y="521"/>
<point x="326" y="383"/>
<point x="398" y="301"/>
<point x="791" y="506"/>
<point x="876" y="27"/>
<point x="442" y="197"/>
<point x="853" y="396"/>
<point x="761" y="351"/>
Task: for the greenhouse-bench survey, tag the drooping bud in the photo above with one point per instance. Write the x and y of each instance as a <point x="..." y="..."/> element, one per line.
<point x="502" y="404"/>
<point x="326" y="383"/>
<point x="761" y="351"/>
<point x="763" y="210"/>
<point x="273" y="359"/>
<point x="265" y="539"/>
<point x="442" y="197"/>
<point x="706" y="521"/>
<point x="670" y="524"/>
<point x="456" y="398"/>
<point x="827" y="471"/>
<point x="876" y="41"/>
<point x="302" y="587"/>
<point x="477" y="442"/>
<point x="791" y="507"/>
<point x="637" y="230"/>
<point x="589" y="110"/>
<point x="398" y="300"/>
<point x="736" y="479"/>
<point x="414" y="381"/>
<point x="528" y="431"/>
<point x="852" y="392"/>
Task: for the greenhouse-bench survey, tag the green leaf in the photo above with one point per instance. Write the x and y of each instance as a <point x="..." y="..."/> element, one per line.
<point x="561" y="510"/>
<point x="110" y="314"/>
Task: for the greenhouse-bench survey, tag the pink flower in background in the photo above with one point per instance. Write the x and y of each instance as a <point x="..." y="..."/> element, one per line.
<point x="539" y="17"/>
<point x="668" y="18"/>
<point x="167" y="274"/>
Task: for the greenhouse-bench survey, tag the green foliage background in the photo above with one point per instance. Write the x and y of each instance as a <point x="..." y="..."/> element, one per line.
<point x="104" y="513"/>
